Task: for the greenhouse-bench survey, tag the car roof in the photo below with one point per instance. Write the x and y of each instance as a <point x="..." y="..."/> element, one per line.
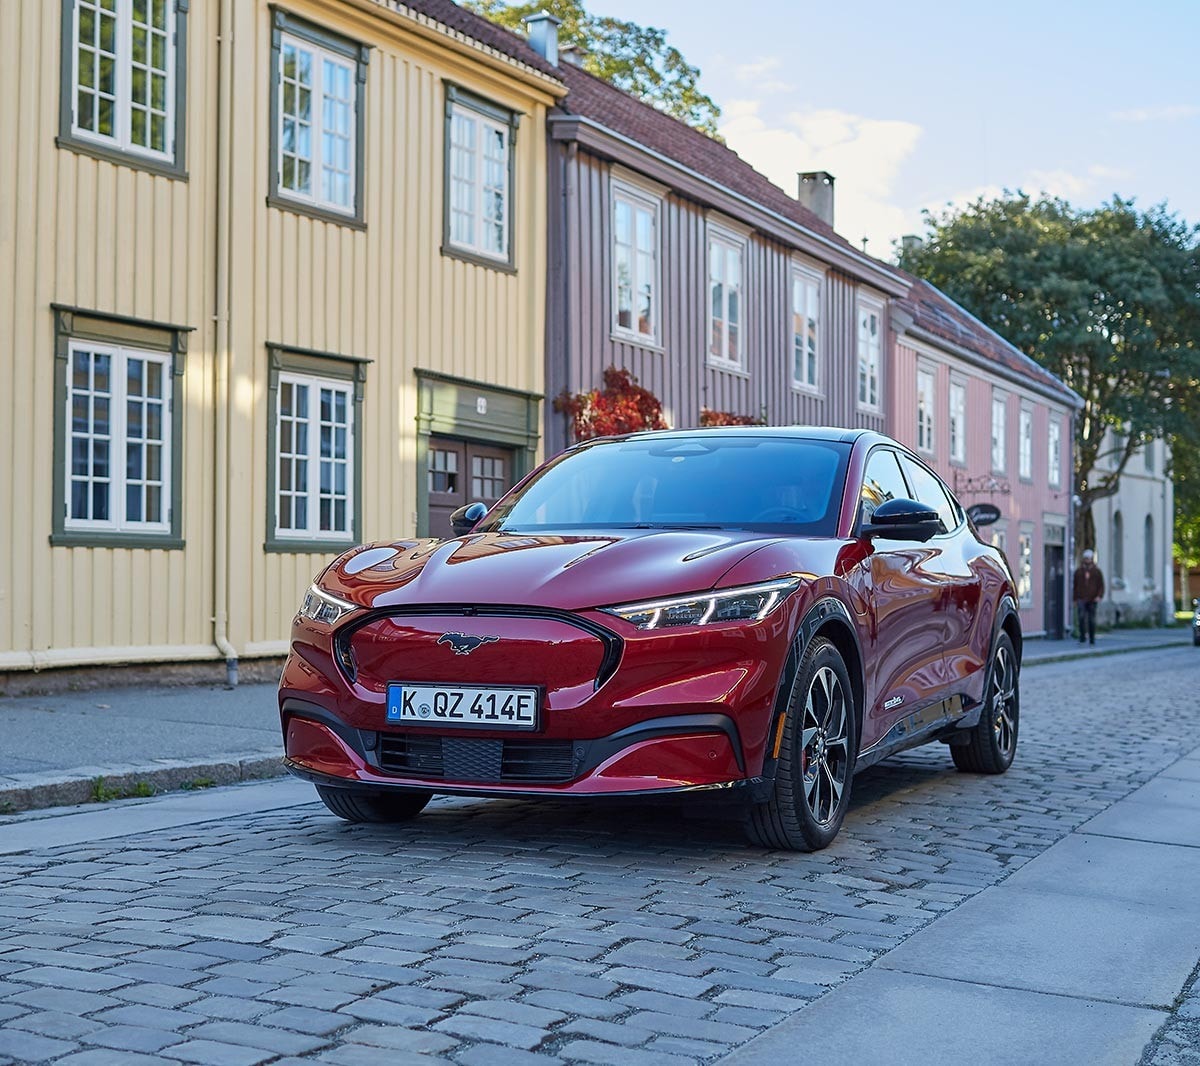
<point x="825" y="433"/>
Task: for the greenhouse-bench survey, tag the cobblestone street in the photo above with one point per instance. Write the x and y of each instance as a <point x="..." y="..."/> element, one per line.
<point x="496" y="932"/>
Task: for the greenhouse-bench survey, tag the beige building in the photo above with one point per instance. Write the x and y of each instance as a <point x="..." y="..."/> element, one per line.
<point x="272" y="282"/>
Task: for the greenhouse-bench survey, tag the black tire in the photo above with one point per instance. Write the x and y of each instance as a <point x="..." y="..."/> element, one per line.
<point x="806" y="809"/>
<point x="992" y="743"/>
<point x="373" y="807"/>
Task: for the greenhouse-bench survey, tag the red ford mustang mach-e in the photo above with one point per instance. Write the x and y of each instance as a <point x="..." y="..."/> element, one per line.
<point x="760" y="611"/>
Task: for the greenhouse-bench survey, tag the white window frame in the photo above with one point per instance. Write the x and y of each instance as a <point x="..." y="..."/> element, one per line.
<point x="637" y="200"/>
<point x="320" y="56"/>
<point x="1024" y="568"/>
<point x="122" y="138"/>
<point x="1054" y="452"/>
<point x="809" y="285"/>
<point x="484" y="124"/>
<point x="999" y="431"/>
<point x="117" y="522"/>
<point x="869" y="363"/>
<point x="926" y="406"/>
<point x="957" y="422"/>
<point x="312" y="529"/>
<point x="727" y="241"/>
<point x="1025" y="443"/>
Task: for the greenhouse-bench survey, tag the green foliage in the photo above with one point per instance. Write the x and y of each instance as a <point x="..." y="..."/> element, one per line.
<point x="634" y="58"/>
<point x="103" y="792"/>
<point x="1185" y="472"/>
<point x="1107" y="299"/>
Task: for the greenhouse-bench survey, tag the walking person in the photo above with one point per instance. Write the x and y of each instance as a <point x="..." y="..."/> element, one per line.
<point x="1088" y="590"/>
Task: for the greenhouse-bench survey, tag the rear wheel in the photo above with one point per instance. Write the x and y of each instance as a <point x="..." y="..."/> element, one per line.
<point x="993" y="742"/>
<point x="371" y="807"/>
<point x="816" y="757"/>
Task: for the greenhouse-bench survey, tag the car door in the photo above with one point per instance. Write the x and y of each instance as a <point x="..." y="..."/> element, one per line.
<point x="904" y="666"/>
<point x="960" y="618"/>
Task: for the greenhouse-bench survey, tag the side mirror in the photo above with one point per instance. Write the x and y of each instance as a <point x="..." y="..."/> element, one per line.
<point x="467" y="518"/>
<point x="903" y="520"/>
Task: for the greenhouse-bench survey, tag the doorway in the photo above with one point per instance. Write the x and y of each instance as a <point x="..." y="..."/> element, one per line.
<point x="1053" y="619"/>
<point x="461" y="472"/>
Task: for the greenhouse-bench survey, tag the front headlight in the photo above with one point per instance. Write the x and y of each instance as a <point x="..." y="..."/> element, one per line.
<point x="750" y="603"/>
<point x="319" y="606"/>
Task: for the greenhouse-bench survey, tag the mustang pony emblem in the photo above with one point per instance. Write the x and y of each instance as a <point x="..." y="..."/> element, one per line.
<point x="463" y="644"/>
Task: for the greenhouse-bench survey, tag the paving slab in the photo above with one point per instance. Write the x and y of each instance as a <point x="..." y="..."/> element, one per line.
<point x="905" y="1019"/>
<point x="1161" y="822"/>
<point x="1047" y="942"/>
<point x="1165" y="877"/>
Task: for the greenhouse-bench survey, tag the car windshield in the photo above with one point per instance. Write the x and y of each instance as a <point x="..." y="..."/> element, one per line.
<point x="785" y="484"/>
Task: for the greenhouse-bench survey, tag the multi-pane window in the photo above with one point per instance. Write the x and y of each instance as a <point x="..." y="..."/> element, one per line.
<point x="925" y="402"/>
<point x="870" y="350"/>
<point x="443" y="470"/>
<point x="118" y="452"/>
<point x="806" y="317"/>
<point x="635" y="218"/>
<point x="314" y="455"/>
<point x="489" y="478"/>
<point x="999" y="432"/>
<point x="958" y="422"/>
<point x="1024" y="574"/>
<point x="478" y="183"/>
<point x="1054" y="452"/>
<point x="726" y="339"/>
<point x="1118" y="548"/>
<point x="317" y="126"/>
<point x="123" y="75"/>
<point x="1025" y="443"/>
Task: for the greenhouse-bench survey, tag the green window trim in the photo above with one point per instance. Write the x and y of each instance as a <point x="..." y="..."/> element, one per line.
<point x="76" y="324"/>
<point x="176" y="166"/>
<point x="457" y="96"/>
<point x="450" y="407"/>
<point x="283" y="22"/>
<point x="283" y="359"/>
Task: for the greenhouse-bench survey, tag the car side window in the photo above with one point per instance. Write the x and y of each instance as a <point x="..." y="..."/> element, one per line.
<point x="883" y="481"/>
<point x="929" y="491"/>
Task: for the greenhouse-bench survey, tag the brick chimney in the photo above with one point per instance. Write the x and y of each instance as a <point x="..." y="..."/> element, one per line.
<point x="816" y="193"/>
<point x="543" y="35"/>
<point x="910" y="242"/>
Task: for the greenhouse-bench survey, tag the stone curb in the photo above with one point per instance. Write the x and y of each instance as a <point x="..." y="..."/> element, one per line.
<point x="98" y="785"/>
<point x="1067" y="656"/>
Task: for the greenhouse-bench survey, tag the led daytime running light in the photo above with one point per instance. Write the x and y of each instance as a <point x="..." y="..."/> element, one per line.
<point x="773" y="594"/>
<point x="321" y="606"/>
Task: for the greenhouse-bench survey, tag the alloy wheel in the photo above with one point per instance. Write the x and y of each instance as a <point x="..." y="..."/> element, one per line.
<point x="1004" y="701"/>
<point x="824" y="745"/>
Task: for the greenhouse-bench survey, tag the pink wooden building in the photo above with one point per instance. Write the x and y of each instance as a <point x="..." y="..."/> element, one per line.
<point x="998" y="428"/>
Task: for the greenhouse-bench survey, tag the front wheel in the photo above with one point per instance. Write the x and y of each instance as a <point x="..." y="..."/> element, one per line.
<point x="992" y="744"/>
<point x="373" y="807"/>
<point x="816" y="757"/>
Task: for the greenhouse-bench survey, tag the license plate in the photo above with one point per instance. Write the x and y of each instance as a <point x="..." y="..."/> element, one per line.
<point x="451" y="705"/>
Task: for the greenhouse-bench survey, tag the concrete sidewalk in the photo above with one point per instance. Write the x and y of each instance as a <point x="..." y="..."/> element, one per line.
<point x="77" y="747"/>
<point x="1078" y="957"/>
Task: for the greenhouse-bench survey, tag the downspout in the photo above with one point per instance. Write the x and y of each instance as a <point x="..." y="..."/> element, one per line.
<point x="222" y="353"/>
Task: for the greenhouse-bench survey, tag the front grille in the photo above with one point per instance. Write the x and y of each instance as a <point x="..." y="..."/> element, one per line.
<point x="512" y="760"/>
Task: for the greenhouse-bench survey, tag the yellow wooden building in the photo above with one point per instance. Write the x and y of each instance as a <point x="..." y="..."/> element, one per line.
<point x="272" y="282"/>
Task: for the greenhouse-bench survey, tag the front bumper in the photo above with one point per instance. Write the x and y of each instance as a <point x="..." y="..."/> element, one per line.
<point x="665" y="711"/>
<point x="660" y="755"/>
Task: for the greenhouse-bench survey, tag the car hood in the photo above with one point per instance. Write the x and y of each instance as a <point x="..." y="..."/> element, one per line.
<point x="565" y="572"/>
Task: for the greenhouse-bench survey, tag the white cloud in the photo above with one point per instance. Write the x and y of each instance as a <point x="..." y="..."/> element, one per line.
<point x="757" y="73"/>
<point x="1081" y="188"/>
<point x="863" y="154"/>
<point x="1167" y="113"/>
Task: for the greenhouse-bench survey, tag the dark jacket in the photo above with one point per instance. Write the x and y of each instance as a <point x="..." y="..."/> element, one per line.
<point x="1088" y="584"/>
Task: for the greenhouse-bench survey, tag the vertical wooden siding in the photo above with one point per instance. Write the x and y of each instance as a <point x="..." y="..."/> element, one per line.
<point x="106" y="237"/>
<point x="79" y="231"/>
<point x="677" y="371"/>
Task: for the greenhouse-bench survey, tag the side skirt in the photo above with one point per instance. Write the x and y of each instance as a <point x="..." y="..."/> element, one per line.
<point x="938" y="721"/>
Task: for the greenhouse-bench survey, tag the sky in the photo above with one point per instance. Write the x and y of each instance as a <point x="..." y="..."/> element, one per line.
<point x="923" y="105"/>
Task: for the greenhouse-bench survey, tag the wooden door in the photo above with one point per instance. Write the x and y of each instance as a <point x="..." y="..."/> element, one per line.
<point x="462" y="472"/>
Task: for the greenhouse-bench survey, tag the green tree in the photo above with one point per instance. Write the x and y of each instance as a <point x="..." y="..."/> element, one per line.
<point x="1107" y="299"/>
<point x="634" y="58"/>
<point x="1185" y="473"/>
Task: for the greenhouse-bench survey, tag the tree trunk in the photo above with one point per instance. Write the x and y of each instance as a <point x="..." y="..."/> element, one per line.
<point x="1085" y="532"/>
